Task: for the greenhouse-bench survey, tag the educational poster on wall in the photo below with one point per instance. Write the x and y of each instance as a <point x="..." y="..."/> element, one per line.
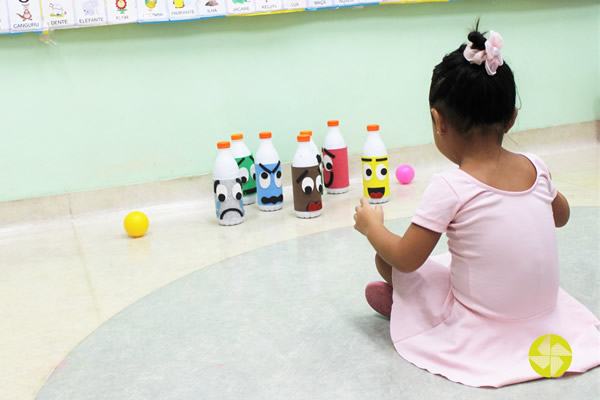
<point x="90" y="12"/>
<point x="236" y="7"/>
<point x="182" y="9"/>
<point x="320" y="3"/>
<point x="212" y="8"/>
<point x="152" y="10"/>
<point x="345" y="3"/>
<point x="25" y="15"/>
<point x="121" y="11"/>
<point x="268" y="5"/>
<point x="294" y="4"/>
<point x="4" y="23"/>
<point x="17" y="16"/>
<point x="58" y="13"/>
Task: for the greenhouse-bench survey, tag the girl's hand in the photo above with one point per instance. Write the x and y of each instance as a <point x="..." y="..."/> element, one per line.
<point x="367" y="217"/>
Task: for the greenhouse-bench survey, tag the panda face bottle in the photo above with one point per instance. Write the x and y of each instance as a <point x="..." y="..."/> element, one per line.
<point x="269" y="186"/>
<point x="227" y="187"/>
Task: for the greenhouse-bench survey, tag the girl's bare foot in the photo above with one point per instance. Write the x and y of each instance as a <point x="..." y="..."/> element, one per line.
<point x="379" y="297"/>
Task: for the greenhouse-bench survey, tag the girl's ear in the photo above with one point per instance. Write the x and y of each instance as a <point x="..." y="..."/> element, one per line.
<point x="439" y="122"/>
<point x="512" y="121"/>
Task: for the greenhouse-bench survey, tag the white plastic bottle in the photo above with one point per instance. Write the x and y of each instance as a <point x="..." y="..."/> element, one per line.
<point x="336" y="176"/>
<point x="313" y="146"/>
<point x="307" y="184"/>
<point x="375" y="168"/>
<point x="245" y="161"/>
<point x="269" y="187"/>
<point x="227" y="187"/>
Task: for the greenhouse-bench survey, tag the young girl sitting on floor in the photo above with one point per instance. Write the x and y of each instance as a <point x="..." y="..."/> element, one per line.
<point x="472" y="314"/>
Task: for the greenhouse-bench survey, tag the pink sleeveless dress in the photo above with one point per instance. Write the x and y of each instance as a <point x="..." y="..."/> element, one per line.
<point x="472" y="314"/>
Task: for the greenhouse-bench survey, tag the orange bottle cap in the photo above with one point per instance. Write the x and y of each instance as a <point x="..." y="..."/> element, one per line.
<point x="309" y="133"/>
<point x="372" y="127"/>
<point x="223" y="145"/>
<point x="303" y="138"/>
<point x="237" y="136"/>
<point x="265" y="135"/>
<point x="333" y="123"/>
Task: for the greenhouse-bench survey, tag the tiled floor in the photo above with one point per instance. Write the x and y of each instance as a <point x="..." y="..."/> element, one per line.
<point x="62" y="278"/>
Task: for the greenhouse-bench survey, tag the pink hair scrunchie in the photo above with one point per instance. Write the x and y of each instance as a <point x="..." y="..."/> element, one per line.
<point x="491" y="55"/>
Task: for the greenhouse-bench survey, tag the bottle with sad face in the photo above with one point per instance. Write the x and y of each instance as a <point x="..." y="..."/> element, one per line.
<point x="375" y="169"/>
<point x="306" y="180"/>
<point x="227" y="187"/>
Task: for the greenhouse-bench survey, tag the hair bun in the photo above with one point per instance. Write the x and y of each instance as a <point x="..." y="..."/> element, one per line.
<point x="477" y="39"/>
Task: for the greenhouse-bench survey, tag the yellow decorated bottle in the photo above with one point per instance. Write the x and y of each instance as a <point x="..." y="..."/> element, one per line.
<point x="375" y="168"/>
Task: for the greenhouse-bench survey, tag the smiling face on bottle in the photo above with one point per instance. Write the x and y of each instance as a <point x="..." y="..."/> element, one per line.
<point x="307" y="188"/>
<point x="376" y="180"/>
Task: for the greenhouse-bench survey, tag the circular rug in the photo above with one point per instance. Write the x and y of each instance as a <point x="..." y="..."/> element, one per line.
<point x="289" y="321"/>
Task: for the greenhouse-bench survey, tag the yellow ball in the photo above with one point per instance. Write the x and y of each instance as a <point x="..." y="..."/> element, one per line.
<point x="136" y="223"/>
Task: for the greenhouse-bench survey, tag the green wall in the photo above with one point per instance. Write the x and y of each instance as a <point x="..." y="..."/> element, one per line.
<point x="119" y="105"/>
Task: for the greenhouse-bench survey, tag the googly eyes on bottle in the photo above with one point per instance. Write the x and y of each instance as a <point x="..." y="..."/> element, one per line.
<point x="307" y="185"/>
<point x="236" y="191"/>
<point x="327" y="163"/>
<point x="367" y="172"/>
<point x="381" y="171"/>
<point x="221" y="192"/>
<point x="244" y="175"/>
<point x="264" y="180"/>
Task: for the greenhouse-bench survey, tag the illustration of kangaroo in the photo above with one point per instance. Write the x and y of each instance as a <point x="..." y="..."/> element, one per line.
<point x="26" y="15"/>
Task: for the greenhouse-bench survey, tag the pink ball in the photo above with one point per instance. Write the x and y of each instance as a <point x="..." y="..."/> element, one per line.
<point x="405" y="174"/>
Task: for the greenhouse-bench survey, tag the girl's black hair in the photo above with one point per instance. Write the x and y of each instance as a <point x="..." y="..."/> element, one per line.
<point x="469" y="98"/>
